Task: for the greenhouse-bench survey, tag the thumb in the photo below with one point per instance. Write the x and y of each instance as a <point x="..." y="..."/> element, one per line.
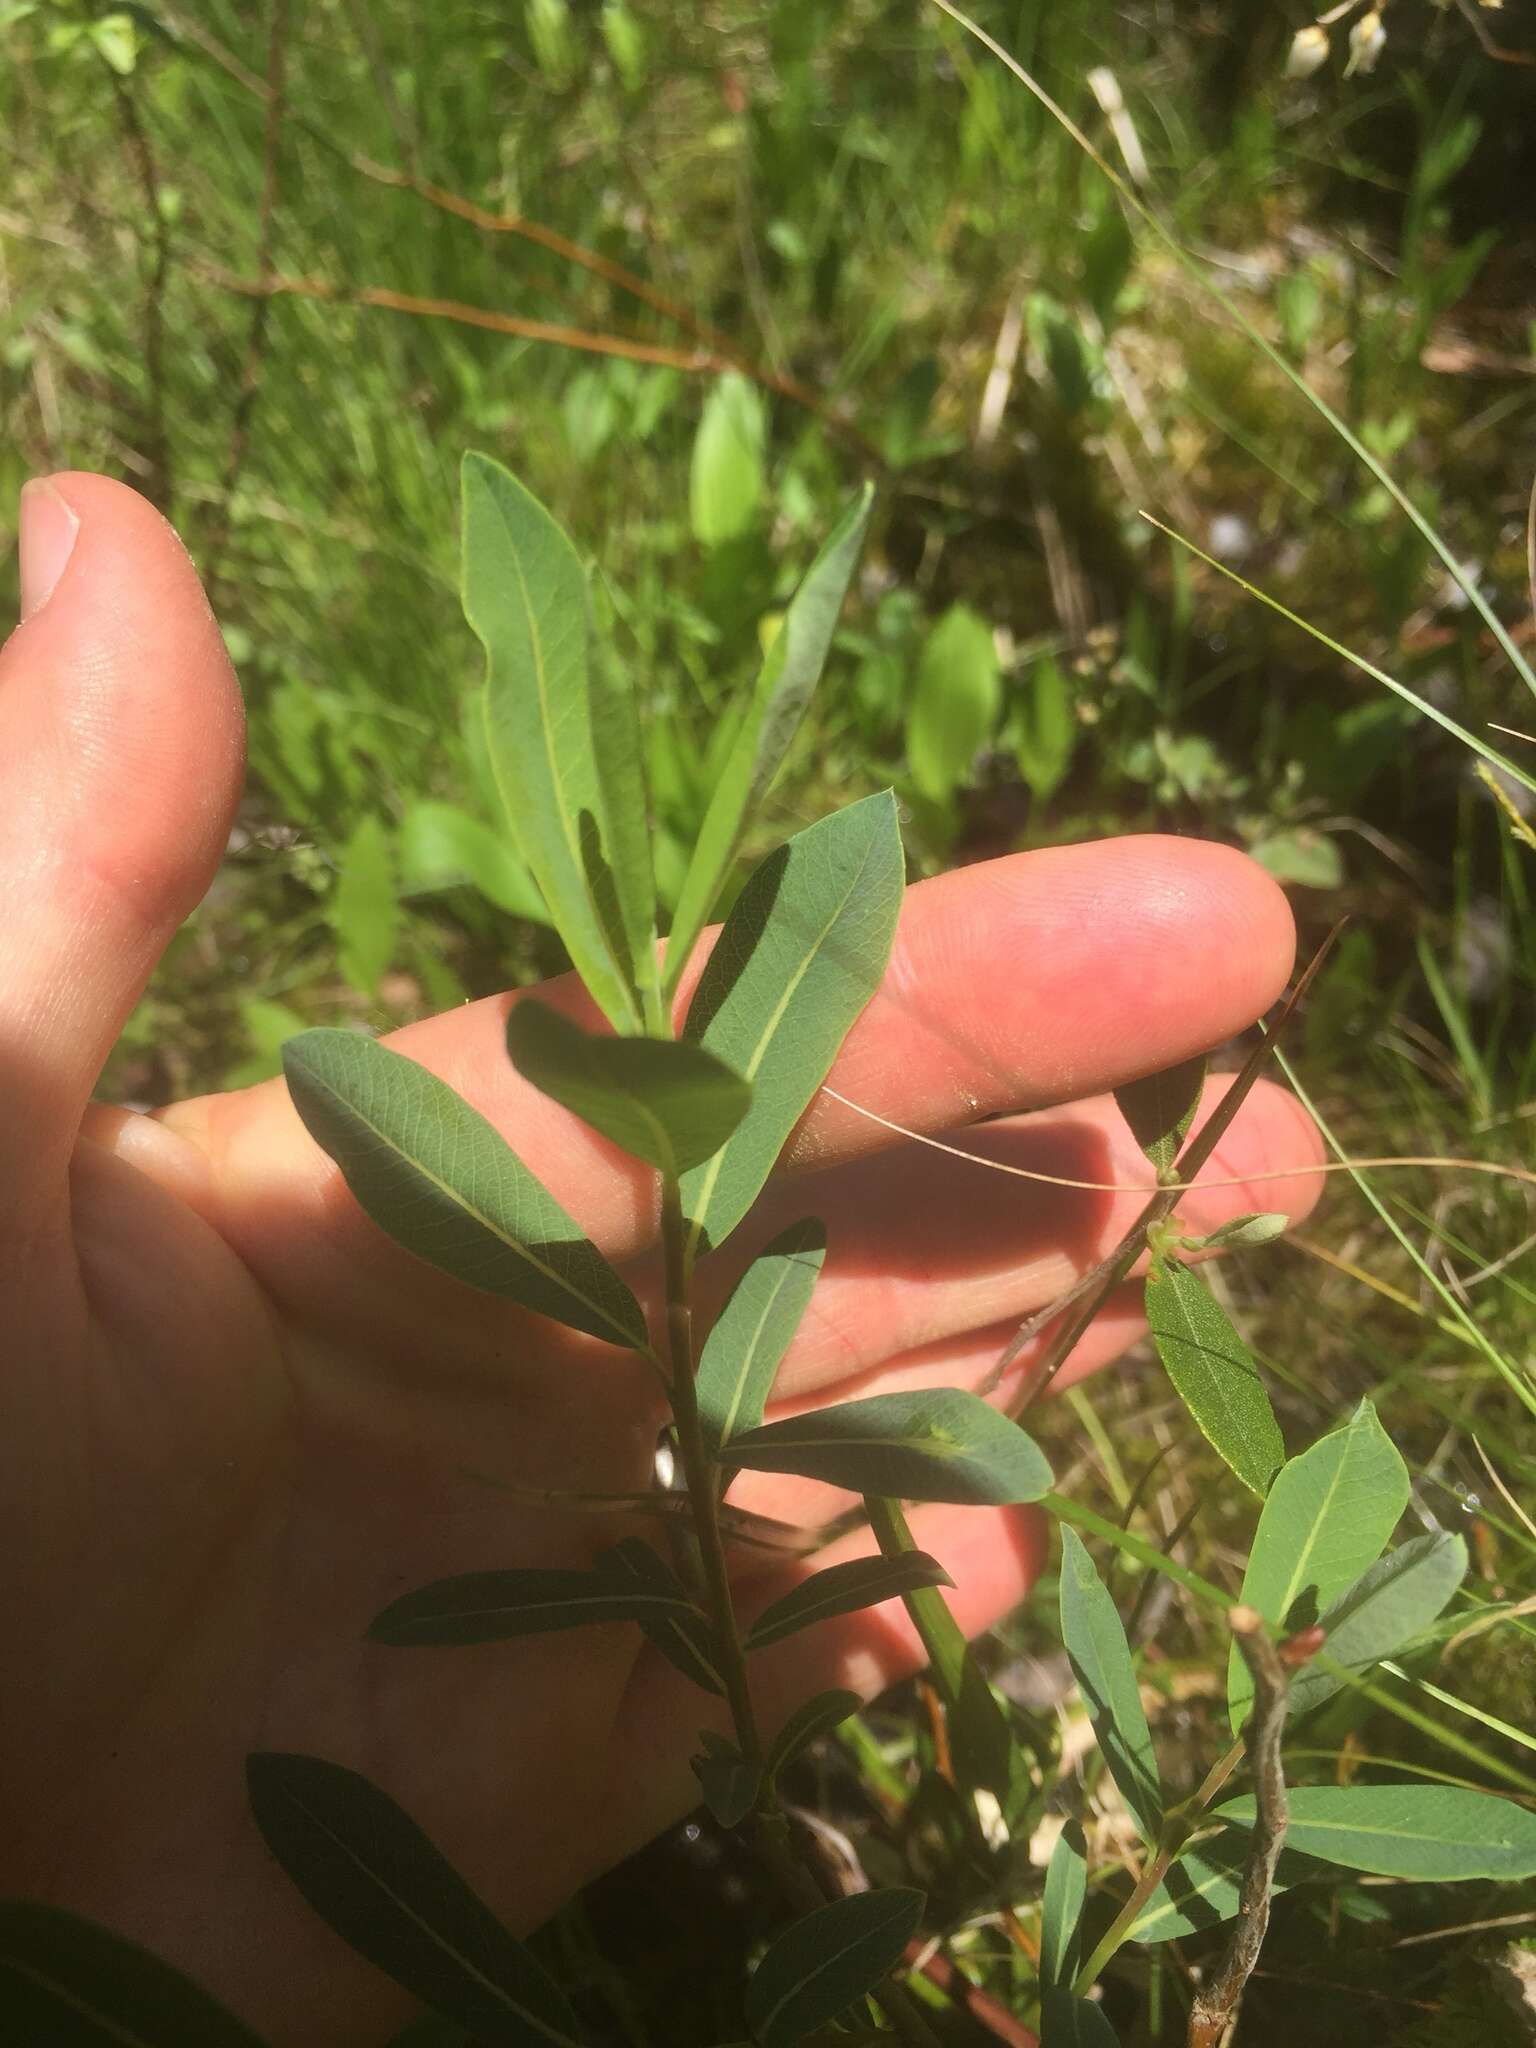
<point x="121" y="753"/>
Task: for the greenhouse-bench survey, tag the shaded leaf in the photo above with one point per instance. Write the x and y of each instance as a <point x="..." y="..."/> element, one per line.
<point x="1399" y="1596"/>
<point x="809" y="1722"/>
<point x="559" y="736"/>
<point x="1160" y="1109"/>
<point x="819" y="1966"/>
<point x="1068" y="2022"/>
<point x="681" y="1633"/>
<point x="725" y="483"/>
<point x="729" y="1783"/>
<point x="442" y="1182"/>
<point x="751" y="1334"/>
<point x="1243" y="1233"/>
<point x="843" y="1589"/>
<point x="1101" y="1663"/>
<point x="1328" y="1517"/>
<point x="442" y="847"/>
<point x="363" y="909"/>
<point x="1213" y="1372"/>
<point x="1205" y="1887"/>
<point x="69" y="1983"/>
<point x="666" y="1102"/>
<point x="374" y="1876"/>
<point x="954" y="703"/>
<point x="1435" y="1833"/>
<point x="492" y="1607"/>
<point x="934" y="1444"/>
<point x="790" y="672"/>
<point x="1066" y="1891"/>
<point x="800" y="955"/>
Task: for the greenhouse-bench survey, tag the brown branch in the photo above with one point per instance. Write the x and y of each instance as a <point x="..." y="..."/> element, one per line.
<point x="157" y="452"/>
<point x="255" y="341"/>
<point x="1213" y="2008"/>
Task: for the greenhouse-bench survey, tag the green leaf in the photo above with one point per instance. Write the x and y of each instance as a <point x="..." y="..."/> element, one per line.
<point x="725" y="484"/>
<point x="1399" y="1596"/>
<point x="801" y="953"/>
<point x="1044" y="729"/>
<point x="666" y="1102"/>
<point x="371" y="1874"/>
<point x="1066" y="1892"/>
<point x="729" y="1783"/>
<point x="809" y="1722"/>
<point x="1328" y="1517"/>
<point x="1437" y="1834"/>
<point x="66" y="1982"/>
<point x="1069" y="2022"/>
<point x="819" y="1966"/>
<point x="491" y="1607"/>
<point x="751" y="1334"/>
<point x="562" y="738"/>
<point x="1205" y="1887"/>
<point x="1213" y="1372"/>
<point x="1304" y="857"/>
<point x="1160" y="1109"/>
<point x="954" y="703"/>
<point x="933" y="1444"/>
<point x="442" y="847"/>
<point x="842" y="1589"/>
<point x="363" y="910"/>
<point x="789" y="675"/>
<point x="1243" y="1233"/>
<point x="625" y="42"/>
<point x="680" y="1633"/>
<point x="442" y="1182"/>
<point x="1101" y="1663"/>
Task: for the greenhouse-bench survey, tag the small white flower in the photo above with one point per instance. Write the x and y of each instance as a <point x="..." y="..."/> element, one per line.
<point x="1308" y="53"/>
<point x="1367" y="40"/>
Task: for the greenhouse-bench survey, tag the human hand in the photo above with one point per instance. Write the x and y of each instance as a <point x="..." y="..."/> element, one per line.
<point x="236" y="1420"/>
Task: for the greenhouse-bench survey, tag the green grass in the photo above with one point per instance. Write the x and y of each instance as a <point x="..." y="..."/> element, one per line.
<point x="864" y="206"/>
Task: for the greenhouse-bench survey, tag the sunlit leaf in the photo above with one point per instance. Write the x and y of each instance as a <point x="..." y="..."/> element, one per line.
<point x="65" y="1981"/>
<point x="790" y="672"/>
<point x="842" y="1589"/>
<point x="364" y="912"/>
<point x="1394" y="1601"/>
<point x="1160" y="1109"/>
<point x="442" y="847"/>
<point x="1205" y="1887"/>
<point x="1066" y="1891"/>
<point x="725" y="485"/>
<point x="491" y="1607"/>
<point x="933" y="1444"/>
<point x="753" y="1331"/>
<point x="1044" y="728"/>
<point x="666" y="1102"/>
<point x="442" y="1182"/>
<point x="800" y="955"/>
<point x="954" y="703"/>
<point x="1327" y="1519"/>
<point x="1213" y="1372"/>
<point x="371" y="1874"/>
<point x="1433" y="1833"/>
<point x="810" y="1721"/>
<point x="1101" y="1663"/>
<point x="821" y="1964"/>
<point x="563" y="738"/>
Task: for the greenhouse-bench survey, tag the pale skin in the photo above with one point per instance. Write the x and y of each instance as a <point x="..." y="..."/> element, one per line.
<point x="235" y="1420"/>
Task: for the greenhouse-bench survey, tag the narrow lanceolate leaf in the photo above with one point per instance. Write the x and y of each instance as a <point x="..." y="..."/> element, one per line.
<point x="492" y="1607"/>
<point x="790" y="672"/>
<point x="819" y="1966"/>
<point x="1394" y="1601"/>
<point x="1066" y="1892"/>
<point x="1327" y="1519"/>
<point x="800" y="955"/>
<point x="1213" y="1372"/>
<point x="668" y="1103"/>
<point x="843" y="1589"/>
<point x="1101" y="1663"/>
<point x="809" y="1722"/>
<point x="1069" y="2022"/>
<point x="371" y="1874"/>
<point x="63" y="1979"/>
<point x="442" y="1182"/>
<point x="1205" y="1887"/>
<point x="934" y="1444"/>
<point x="729" y="1783"/>
<point x="751" y="1334"/>
<point x="1435" y="1833"/>
<point x="1160" y="1109"/>
<point x="559" y="742"/>
<point x="682" y="1634"/>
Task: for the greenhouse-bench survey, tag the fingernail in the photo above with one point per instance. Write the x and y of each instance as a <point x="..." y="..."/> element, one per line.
<point x="46" y="540"/>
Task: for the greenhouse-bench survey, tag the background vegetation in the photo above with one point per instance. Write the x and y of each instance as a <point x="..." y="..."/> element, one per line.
<point x="692" y="272"/>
